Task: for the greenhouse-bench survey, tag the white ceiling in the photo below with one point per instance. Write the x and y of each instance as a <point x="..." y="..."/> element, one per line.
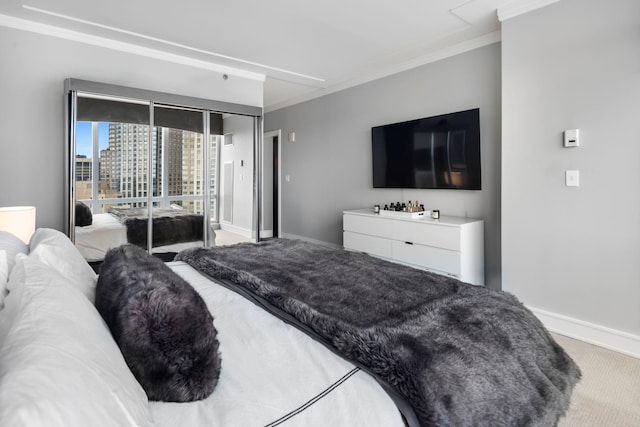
<point x="304" y="48"/>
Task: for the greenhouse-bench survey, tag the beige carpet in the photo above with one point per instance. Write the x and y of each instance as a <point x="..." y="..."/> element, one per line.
<point x="608" y="394"/>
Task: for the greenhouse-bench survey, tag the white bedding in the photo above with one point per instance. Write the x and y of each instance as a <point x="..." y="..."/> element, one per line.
<point x="273" y="374"/>
<point x="106" y="232"/>
<point x="59" y="365"/>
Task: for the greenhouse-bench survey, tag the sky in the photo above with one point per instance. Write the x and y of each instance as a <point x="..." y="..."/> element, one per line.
<point x="83" y="137"/>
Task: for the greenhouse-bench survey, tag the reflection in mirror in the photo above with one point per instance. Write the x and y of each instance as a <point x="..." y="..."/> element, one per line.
<point x="236" y="181"/>
<point x="117" y="134"/>
<point x="178" y="181"/>
<point x="151" y="174"/>
<point x="173" y="170"/>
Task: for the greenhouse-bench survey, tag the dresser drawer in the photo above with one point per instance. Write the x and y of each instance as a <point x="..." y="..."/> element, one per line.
<point x="442" y="260"/>
<point x="451" y="245"/>
<point x="370" y="244"/>
<point x="373" y="226"/>
<point x="427" y="234"/>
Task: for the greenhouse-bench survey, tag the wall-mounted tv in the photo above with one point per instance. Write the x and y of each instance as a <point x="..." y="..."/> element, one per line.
<point x="434" y="152"/>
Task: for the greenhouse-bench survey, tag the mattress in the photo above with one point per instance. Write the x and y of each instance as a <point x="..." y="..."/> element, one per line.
<point x="273" y="374"/>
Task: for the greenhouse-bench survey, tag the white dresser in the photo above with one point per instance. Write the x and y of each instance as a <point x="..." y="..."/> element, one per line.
<point x="449" y="245"/>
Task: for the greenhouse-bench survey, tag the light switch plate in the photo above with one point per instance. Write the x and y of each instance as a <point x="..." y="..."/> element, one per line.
<point x="572" y="178"/>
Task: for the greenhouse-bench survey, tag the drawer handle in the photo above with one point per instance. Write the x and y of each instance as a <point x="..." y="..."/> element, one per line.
<point x="409" y="243"/>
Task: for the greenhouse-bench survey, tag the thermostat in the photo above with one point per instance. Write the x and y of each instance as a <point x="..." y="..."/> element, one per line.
<point x="572" y="138"/>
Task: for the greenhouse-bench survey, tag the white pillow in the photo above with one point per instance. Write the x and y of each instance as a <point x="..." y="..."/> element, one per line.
<point x="59" y="366"/>
<point x="4" y="276"/>
<point x="11" y="246"/>
<point x="56" y="250"/>
<point x="17" y="276"/>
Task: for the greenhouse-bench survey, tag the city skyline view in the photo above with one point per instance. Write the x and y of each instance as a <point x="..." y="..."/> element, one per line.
<point x="123" y="162"/>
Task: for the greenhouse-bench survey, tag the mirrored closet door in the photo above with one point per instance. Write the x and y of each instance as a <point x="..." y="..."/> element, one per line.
<point x="160" y="171"/>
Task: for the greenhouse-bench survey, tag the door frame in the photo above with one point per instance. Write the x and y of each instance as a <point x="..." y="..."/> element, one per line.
<point x="278" y="172"/>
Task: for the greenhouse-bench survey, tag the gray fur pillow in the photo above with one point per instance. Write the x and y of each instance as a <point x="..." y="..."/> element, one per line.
<point x="84" y="216"/>
<point x="160" y="323"/>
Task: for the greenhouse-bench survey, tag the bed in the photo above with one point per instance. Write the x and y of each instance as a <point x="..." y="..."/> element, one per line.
<point x="447" y="352"/>
<point x="288" y="358"/>
<point x="94" y="240"/>
<point x="173" y="231"/>
<point x="59" y="365"/>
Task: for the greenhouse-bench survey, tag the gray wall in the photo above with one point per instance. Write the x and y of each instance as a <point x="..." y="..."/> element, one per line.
<point x="32" y="146"/>
<point x="241" y="154"/>
<point x="574" y="251"/>
<point x="329" y="165"/>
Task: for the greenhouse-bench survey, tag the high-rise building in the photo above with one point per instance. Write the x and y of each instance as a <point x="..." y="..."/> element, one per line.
<point x="83" y="177"/>
<point x="83" y="168"/>
<point x="193" y="170"/>
<point x="124" y="164"/>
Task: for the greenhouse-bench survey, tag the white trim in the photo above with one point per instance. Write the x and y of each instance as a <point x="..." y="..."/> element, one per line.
<point x="520" y="7"/>
<point x="612" y="339"/>
<point x="170" y="43"/>
<point x="271" y="134"/>
<point x="237" y="230"/>
<point x="465" y="46"/>
<point x="53" y="31"/>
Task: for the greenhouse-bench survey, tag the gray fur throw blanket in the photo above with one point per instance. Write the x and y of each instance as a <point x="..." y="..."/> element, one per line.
<point x="161" y="324"/>
<point x="460" y="355"/>
<point x="169" y="225"/>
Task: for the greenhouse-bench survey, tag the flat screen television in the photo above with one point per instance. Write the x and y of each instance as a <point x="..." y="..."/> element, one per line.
<point x="440" y="152"/>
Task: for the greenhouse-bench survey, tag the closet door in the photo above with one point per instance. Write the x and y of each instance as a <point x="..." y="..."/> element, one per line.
<point x="112" y="179"/>
<point x="179" y="179"/>
<point x="144" y="168"/>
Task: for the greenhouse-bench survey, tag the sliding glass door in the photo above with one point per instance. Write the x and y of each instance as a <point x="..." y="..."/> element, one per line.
<point x="147" y="171"/>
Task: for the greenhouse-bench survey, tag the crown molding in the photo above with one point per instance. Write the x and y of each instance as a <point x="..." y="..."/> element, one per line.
<point x="437" y="55"/>
<point x="53" y="31"/>
<point x="519" y="7"/>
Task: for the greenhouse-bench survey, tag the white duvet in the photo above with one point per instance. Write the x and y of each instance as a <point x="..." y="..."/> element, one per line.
<point x="273" y="374"/>
<point x="106" y="232"/>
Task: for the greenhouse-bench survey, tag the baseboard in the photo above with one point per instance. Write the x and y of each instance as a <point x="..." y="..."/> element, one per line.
<point x="238" y="230"/>
<point x="592" y="333"/>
